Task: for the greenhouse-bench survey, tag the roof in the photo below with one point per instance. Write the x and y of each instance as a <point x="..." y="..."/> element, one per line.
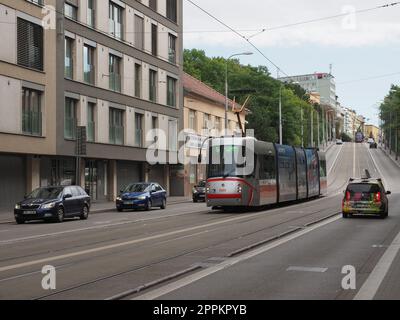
<point x="195" y="86"/>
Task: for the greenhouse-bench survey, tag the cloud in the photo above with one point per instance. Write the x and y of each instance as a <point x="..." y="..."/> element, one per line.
<point x="373" y="28"/>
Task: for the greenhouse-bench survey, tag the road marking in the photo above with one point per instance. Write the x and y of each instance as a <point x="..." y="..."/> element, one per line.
<point x="305" y="269"/>
<point x="334" y="161"/>
<point x="354" y="160"/>
<point x="379" y="170"/>
<point x="127" y="243"/>
<point x="375" y="279"/>
<point x="97" y="227"/>
<point x="227" y="264"/>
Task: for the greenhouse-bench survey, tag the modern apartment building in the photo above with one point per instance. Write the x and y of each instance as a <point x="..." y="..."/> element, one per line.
<point x="110" y="69"/>
<point x="204" y="116"/>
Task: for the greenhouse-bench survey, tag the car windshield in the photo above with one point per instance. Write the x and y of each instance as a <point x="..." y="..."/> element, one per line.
<point x="202" y="184"/>
<point x="137" y="188"/>
<point x="46" y="193"/>
<point x="362" y="191"/>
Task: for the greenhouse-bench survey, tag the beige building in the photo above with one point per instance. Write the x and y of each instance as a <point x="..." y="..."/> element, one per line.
<point x="111" y="67"/>
<point x="204" y="116"/>
<point x="371" y="131"/>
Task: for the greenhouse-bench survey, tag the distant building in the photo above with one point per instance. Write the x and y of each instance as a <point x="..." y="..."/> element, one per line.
<point x="371" y="131"/>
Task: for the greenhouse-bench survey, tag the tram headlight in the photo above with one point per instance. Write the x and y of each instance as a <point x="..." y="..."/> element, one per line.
<point x="239" y="188"/>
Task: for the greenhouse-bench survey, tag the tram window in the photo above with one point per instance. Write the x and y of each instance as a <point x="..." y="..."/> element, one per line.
<point x="323" y="168"/>
<point x="267" y="167"/>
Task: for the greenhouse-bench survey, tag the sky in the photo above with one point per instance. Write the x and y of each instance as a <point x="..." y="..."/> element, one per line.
<point x="363" y="48"/>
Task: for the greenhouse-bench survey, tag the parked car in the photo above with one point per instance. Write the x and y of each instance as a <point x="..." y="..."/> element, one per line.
<point x="142" y="196"/>
<point x="53" y="203"/>
<point x="366" y="197"/>
<point x="199" y="192"/>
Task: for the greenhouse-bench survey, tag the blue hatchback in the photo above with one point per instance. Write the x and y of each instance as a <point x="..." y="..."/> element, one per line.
<point x="142" y="196"/>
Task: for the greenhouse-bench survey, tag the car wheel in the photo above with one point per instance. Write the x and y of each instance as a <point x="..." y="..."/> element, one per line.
<point x="85" y="213"/>
<point x="164" y="204"/>
<point x="120" y="210"/>
<point x="19" y="220"/>
<point x="195" y="200"/>
<point x="148" y="205"/>
<point x="60" y="215"/>
<point x="345" y="215"/>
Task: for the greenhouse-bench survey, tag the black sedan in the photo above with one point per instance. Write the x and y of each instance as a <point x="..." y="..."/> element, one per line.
<point x="199" y="192"/>
<point x="53" y="203"/>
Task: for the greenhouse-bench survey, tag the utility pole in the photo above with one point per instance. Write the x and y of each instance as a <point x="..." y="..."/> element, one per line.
<point x="312" y="128"/>
<point x="280" y="112"/>
<point x="302" y="128"/>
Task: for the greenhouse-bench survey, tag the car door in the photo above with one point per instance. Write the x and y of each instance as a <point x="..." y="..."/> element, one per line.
<point x="154" y="197"/>
<point x="79" y="199"/>
<point x="69" y="203"/>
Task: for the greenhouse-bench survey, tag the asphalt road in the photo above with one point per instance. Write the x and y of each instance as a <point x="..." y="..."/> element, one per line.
<point x="190" y="252"/>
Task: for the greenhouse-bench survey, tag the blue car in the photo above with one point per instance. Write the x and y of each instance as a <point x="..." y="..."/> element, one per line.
<point x="53" y="203"/>
<point x="142" y="196"/>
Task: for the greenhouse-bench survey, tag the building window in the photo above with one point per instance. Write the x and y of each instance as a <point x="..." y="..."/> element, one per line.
<point x="30" y="44"/>
<point x="153" y="5"/>
<point x="171" y="92"/>
<point x="70" y="120"/>
<point x="38" y="2"/>
<point x="154" y="127"/>
<point x="192" y="120"/>
<point x="218" y="124"/>
<point x="171" y="48"/>
<point x="70" y="11"/>
<point x="138" y="80"/>
<point x="91" y="14"/>
<point x="172" y="13"/>
<point x="154" y="40"/>
<point x="69" y="62"/>
<point x="115" y="73"/>
<point x="88" y="64"/>
<point x="139" y="32"/>
<point x="207" y="122"/>
<point x="116" y="126"/>
<point x="115" y="20"/>
<point x="153" y="86"/>
<point x="91" y="122"/>
<point x="31" y="112"/>
<point x="139" y="130"/>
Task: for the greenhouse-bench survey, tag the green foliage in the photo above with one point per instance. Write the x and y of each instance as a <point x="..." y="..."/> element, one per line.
<point x="265" y="92"/>
<point x="346" y="138"/>
<point x="389" y="113"/>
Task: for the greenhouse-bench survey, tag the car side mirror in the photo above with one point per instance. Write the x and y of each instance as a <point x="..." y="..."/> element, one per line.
<point x="67" y="196"/>
<point x="388" y="193"/>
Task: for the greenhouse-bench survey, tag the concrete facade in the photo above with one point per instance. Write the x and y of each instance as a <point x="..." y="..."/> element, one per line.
<point x="50" y="157"/>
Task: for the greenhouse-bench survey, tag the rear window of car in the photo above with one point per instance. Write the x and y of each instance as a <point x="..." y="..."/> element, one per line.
<point x="362" y="191"/>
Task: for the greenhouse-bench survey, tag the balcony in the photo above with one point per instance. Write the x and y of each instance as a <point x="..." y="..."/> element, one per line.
<point x="117" y="135"/>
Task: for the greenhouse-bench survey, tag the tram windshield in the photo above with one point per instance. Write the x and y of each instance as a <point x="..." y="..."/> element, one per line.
<point x="230" y="161"/>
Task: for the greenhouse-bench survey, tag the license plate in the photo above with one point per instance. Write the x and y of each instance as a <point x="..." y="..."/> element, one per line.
<point x="128" y="203"/>
<point x="29" y="212"/>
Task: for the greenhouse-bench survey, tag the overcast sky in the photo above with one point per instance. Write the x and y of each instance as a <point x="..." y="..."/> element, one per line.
<point x="360" y="46"/>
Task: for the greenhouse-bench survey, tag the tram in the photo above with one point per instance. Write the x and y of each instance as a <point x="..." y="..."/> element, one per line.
<point x="243" y="172"/>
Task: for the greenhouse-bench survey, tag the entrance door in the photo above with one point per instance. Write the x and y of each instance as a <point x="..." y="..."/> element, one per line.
<point x="91" y="179"/>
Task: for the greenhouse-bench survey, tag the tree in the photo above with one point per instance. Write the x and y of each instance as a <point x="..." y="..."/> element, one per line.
<point x="264" y="115"/>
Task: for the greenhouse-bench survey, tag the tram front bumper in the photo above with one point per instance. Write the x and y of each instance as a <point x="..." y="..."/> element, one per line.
<point x="224" y="200"/>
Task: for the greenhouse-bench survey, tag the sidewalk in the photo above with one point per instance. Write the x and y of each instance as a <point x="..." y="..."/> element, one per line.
<point x="101" y="207"/>
<point x="391" y="156"/>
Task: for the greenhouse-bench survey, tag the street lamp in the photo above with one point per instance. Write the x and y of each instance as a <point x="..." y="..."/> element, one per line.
<point x="226" y="85"/>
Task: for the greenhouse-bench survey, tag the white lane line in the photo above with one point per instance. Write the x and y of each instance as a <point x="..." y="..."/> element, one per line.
<point x="152" y="295"/>
<point x="97" y="227"/>
<point x="307" y="269"/>
<point x="127" y="243"/>
<point x="334" y="161"/>
<point x="354" y="161"/>
<point x="375" y="279"/>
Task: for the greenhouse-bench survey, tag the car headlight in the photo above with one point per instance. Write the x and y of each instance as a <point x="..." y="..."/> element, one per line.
<point x="194" y="190"/>
<point x="142" y="198"/>
<point x="17" y="206"/>
<point x="49" y="205"/>
<point x="119" y="199"/>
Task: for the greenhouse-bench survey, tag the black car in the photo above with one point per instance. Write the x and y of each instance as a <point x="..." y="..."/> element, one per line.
<point x="53" y="203"/>
<point x="199" y="192"/>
